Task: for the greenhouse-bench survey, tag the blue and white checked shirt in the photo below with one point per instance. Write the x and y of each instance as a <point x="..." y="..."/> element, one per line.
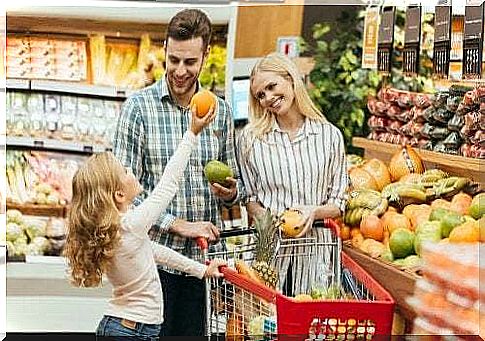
<point x="150" y="128"/>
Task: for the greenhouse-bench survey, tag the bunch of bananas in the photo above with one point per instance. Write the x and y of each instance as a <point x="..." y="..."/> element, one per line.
<point x="448" y="187"/>
<point x="361" y="203"/>
<point x="401" y="194"/>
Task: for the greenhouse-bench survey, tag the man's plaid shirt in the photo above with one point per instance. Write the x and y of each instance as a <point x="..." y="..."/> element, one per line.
<point x="149" y="130"/>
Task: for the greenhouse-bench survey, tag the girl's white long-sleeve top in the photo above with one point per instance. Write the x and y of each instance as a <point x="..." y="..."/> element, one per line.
<point x="137" y="292"/>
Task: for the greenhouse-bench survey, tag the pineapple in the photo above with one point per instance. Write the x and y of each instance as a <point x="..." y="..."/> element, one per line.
<point x="266" y="242"/>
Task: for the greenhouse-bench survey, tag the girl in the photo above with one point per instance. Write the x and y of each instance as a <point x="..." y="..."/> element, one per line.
<point x="106" y="236"/>
<point x="290" y="156"/>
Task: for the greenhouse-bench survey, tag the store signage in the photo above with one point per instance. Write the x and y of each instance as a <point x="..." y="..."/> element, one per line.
<point x="442" y="41"/>
<point x="288" y="46"/>
<point x="412" y="39"/>
<point x="371" y="27"/>
<point x="473" y="41"/>
<point x="385" y="40"/>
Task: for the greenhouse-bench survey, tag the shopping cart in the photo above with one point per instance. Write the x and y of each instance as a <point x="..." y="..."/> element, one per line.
<point x="241" y="309"/>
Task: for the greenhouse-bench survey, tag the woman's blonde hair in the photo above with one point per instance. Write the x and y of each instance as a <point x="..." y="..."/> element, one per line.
<point x="93" y="219"/>
<point x="261" y="120"/>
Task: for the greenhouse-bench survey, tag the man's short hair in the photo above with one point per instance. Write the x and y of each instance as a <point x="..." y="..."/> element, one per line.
<point x="190" y="24"/>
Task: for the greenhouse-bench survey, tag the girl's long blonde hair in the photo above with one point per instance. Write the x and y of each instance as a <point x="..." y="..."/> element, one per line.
<point x="93" y="219"/>
<point x="261" y="120"/>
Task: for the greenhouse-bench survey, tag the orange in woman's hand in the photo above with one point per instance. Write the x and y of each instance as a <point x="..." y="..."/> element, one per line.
<point x="203" y="100"/>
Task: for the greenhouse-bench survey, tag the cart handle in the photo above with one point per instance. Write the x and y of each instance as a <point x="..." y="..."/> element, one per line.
<point x="262" y="291"/>
<point x="325" y="223"/>
<point x="202" y="243"/>
<point x="331" y="224"/>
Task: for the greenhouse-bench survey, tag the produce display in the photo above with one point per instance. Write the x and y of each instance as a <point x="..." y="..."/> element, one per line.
<point x="61" y="117"/>
<point x="40" y="177"/>
<point x="392" y="220"/>
<point x="46" y="58"/>
<point x="25" y="236"/>
<point x="449" y="122"/>
<point x="448" y="297"/>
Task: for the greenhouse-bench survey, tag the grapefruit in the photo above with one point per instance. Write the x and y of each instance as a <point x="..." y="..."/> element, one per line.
<point x="401" y="243"/>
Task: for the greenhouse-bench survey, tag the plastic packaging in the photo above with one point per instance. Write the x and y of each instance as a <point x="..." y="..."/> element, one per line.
<point x="439" y="133"/>
<point x="456" y="122"/>
<point x="453" y="141"/>
<point x="442" y="116"/>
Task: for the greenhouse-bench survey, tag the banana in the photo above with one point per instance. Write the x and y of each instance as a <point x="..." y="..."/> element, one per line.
<point x="381" y="208"/>
<point x="364" y="198"/>
<point x="413" y="193"/>
<point x="433" y="175"/>
<point x="356" y="216"/>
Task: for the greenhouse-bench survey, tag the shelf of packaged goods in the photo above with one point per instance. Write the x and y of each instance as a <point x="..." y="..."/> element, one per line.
<point x="78" y="88"/>
<point x="400" y="283"/>
<point x="457" y="165"/>
<point x="17" y="84"/>
<point x="55" y="145"/>
<point x="39" y="210"/>
<point x="67" y="87"/>
<point x="445" y="84"/>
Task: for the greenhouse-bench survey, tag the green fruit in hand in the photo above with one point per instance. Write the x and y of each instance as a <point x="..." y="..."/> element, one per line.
<point x="217" y="171"/>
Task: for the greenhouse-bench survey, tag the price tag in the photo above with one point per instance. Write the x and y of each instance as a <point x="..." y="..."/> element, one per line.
<point x="371" y="30"/>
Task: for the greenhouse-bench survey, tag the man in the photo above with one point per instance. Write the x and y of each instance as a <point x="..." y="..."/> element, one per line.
<point x="149" y="130"/>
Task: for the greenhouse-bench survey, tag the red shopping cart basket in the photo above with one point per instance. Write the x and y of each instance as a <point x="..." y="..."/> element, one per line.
<point x="243" y="309"/>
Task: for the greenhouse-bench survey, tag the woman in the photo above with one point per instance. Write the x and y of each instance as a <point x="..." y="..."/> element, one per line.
<point x="290" y="156"/>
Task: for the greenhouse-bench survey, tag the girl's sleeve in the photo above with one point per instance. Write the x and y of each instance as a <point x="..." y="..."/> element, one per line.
<point x="174" y="260"/>
<point x="143" y="216"/>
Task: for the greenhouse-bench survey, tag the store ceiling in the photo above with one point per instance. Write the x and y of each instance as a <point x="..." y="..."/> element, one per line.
<point x="139" y="11"/>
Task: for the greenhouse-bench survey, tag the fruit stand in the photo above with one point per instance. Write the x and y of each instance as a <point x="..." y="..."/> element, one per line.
<point x="453" y="164"/>
<point x="388" y="238"/>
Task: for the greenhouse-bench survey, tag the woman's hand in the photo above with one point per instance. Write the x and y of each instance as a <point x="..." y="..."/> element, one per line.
<point x="213" y="268"/>
<point x="309" y="215"/>
<point x="198" y="123"/>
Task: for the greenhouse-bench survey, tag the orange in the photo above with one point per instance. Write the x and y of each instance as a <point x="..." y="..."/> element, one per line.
<point x="398" y="221"/>
<point x="372" y="227"/>
<point x="441" y="203"/>
<point x="461" y="203"/>
<point x="203" y="100"/>
<point x="465" y="233"/>
<point x="345" y="232"/>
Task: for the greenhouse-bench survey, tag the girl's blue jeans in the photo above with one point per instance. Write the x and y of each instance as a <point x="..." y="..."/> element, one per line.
<point x="118" y="329"/>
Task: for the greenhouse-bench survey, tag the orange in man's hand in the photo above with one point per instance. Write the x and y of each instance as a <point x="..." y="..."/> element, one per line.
<point x="203" y="100"/>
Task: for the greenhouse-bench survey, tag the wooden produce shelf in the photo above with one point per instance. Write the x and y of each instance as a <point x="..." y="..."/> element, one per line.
<point x="39" y="210"/>
<point x="457" y="165"/>
<point x="399" y="283"/>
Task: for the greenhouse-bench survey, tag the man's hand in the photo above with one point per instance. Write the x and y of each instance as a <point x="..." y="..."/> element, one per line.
<point x="226" y="193"/>
<point x="254" y="209"/>
<point x="195" y="230"/>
